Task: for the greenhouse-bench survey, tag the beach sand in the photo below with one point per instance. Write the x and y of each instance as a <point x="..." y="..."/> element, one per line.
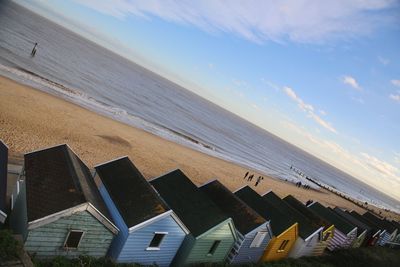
<point x="31" y="120"/>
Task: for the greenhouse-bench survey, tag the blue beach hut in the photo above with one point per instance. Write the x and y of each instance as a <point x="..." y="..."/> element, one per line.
<point x="150" y="232"/>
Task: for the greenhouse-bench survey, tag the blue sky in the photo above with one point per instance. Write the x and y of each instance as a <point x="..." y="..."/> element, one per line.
<point x="323" y="75"/>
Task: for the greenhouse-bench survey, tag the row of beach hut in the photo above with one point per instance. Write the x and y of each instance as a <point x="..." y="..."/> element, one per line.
<point x="62" y="208"/>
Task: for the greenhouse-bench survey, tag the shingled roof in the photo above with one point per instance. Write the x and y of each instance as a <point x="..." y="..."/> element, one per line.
<point x="341" y="224"/>
<point x="390" y="228"/>
<point x="56" y="180"/>
<point x="311" y="215"/>
<point x="133" y="196"/>
<point x="244" y="217"/>
<point x="361" y="227"/>
<point x="279" y="221"/>
<point x="196" y="210"/>
<point x="306" y="227"/>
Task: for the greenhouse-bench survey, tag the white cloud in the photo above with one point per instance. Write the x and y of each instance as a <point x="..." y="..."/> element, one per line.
<point x="322" y="112"/>
<point x="395" y="97"/>
<point x="306" y="21"/>
<point x="383" y="167"/>
<point x="395" y="82"/>
<point x="352" y="82"/>
<point x="383" y="61"/>
<point x="309" y="109"/>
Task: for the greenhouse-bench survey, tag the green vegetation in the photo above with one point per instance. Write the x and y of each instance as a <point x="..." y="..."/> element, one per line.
<point x="9" y="247"/>
<point x="361" y="257"/>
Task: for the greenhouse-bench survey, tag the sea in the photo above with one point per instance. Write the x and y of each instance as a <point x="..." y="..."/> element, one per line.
<point x="80" y="71"/>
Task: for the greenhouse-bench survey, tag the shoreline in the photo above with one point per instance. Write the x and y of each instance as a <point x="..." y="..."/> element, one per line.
<point x="32" y="119"/>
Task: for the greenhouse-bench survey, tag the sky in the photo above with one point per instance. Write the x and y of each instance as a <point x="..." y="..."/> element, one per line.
<point x="322" y="75"/>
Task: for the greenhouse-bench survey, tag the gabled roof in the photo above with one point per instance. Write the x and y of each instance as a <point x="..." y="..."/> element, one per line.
<point x="341" y="224"/>
<point x="361" y="227"/>
<point x="381" y="222"/>
<point x="396" y="224"/>
<point x="133" y="196"/>
<point x="56" y="180"/>
<point x="195" y="209"/>
<point x="279" y="221"/>
<point x="311" y="215"/>
<point x="244" y="217"/>
<point x="306" y="227"/>
<point x="364" y="220"/>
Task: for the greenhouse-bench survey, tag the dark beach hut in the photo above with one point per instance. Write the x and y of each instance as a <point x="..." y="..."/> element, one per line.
<point x="364" y="232"/>
<point x="309" y="232"/>
<point x="389" y="230"/>
<point x="375" y="229"/>
<point x="284" y="228"/>
<point x="328" y="228"/>
<point x="150" y="232"/>
<point x="59" y="211"/>
<point x="3" y="181"/>
<point x="345" y="232"/>
<point x="252" y="230"/>
<point x="212" y="233"/>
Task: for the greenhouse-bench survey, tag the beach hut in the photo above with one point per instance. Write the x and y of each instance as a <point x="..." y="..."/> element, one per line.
<point x="345" y="232"/>
<point x="284" y="228"/>
<point x="328" y="228"/>
<point x="375" y="230"/>
<point x="59" y="211"/>
<point x="212" y="233"/>
<point x="364" y="232"/>
<point x="389" y="230"/>
<point x="252" y="230"/>
<point x="150" y="232"/>
<point x="3" y="181"/>
<point x="309" y="232"/>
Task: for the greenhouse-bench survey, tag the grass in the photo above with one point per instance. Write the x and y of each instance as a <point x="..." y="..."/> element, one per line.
<point x="9" y="247"/>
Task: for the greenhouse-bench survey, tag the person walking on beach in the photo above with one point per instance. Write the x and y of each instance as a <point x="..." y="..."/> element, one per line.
<point x="33" y="53"/>
<point x="250" y="178"/>
<point x="247" y="173"/>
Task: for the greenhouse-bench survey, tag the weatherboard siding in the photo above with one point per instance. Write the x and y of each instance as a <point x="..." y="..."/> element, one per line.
<point x="359" y="240"/>
<point x="47" y="241"/>
<point x="305" y="248"/>
<point x="243" y="253"/>
<point x="341" y="240"/>
<point x="321" y="246"/>
<point x="134" y="249"/>
<point x="271" y="253"/>
<point x="384" y="238"/>
<point x="195" y="250"/>
<point x="131" y="247"/>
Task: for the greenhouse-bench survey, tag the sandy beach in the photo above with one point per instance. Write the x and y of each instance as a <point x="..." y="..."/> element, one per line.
<point x="31" y="119"/>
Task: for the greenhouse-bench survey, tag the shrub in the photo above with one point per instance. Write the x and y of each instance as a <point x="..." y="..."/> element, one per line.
<point x="9" y="247"/>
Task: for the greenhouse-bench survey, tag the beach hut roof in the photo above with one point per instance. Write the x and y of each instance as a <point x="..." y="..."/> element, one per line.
<point x="244" y="217"/>
<point x="279" y="221"/>
<point x="196" y="210"/>
<point x="133" y="196"/>
<point x="381" y="222"/>
<point x="306" y="227"/>
<point x="329" y="215"/>
<point x="310" y="214"/>
<point x="360" y="225"/>
<point x="56" y="180"/>
<point x="371" y="224"/>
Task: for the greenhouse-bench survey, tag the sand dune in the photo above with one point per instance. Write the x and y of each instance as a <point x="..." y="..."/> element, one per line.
<point x="30" y="120"/>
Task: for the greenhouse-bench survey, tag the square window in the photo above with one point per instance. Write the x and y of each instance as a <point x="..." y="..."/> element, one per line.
<point x="156" y="241"/>
<point x="326" y="236"/>
<point x="258" y="239"/>
<point x="213" y="247"/>
<point x="73" y="239"/>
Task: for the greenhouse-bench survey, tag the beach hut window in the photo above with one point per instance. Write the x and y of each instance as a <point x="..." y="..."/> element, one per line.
<point x="73" y="239"/>
<point x="156" y="241"/>
<point x="213" y="247"/>
<point x="326" y="236"/>
<point x="283" y="245"/>
<point x="258" y="239"/>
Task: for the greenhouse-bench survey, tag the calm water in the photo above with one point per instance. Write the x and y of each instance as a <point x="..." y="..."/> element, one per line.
<point x="69" y="66"/>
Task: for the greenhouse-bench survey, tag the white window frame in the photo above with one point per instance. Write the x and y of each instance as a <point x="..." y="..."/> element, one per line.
<point x="159" y="245"/>
<point x="258" y="239"/>
<point x="73" y="230"/>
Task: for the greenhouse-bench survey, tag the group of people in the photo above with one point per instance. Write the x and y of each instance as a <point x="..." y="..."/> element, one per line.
<point x="305" y="186"/>
<point x="251" y="176"/>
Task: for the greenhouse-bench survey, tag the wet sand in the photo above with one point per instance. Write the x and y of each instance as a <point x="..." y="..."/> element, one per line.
<point x="31" y="120"/>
